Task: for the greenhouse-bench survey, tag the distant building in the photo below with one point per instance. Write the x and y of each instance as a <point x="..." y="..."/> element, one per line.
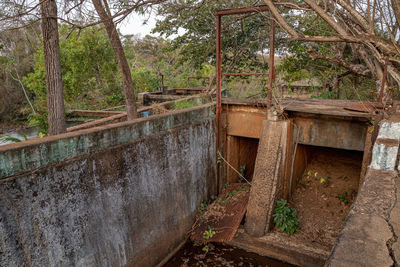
<point x="300" y="89"/>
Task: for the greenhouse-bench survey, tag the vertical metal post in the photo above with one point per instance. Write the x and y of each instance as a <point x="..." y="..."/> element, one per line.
<point x="162" y="80"/>
<point x="218" y="80"/>
<point x="271" y="63"/>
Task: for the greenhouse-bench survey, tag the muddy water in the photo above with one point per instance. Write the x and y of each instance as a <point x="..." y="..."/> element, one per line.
<point x="219" y="255"/>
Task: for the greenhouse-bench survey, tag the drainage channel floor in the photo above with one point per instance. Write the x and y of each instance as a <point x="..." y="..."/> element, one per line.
<point x="219" y="255"/>
<point x="323" y="196"/>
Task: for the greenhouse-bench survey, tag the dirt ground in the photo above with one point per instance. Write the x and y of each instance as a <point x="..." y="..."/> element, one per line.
<point x="323" y="196"/>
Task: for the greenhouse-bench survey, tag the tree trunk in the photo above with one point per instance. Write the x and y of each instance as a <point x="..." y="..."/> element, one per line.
<point x="129" y="92"/>
<point x="396" y="10"/>
<point x="55" y="98"/>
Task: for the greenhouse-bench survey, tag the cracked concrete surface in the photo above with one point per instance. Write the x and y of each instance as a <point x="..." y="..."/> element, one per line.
<point x="394" y="222"/>
<point x="369" y="236"/>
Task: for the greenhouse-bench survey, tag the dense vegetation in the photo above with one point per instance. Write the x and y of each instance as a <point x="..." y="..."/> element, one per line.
<point x="90" y="70"/>
<point x="92" y="79"/>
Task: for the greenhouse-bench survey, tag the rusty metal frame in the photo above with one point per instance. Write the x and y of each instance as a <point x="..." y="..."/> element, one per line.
<point x="219" y="74"/>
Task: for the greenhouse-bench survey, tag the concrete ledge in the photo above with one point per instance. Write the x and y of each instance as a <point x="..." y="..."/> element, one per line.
<point x="363" y="242"/>
<point x="33" y="154"/>
<point x="281" y="247"/>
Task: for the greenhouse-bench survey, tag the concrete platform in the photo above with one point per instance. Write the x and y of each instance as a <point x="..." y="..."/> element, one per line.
<point x="282" y="247"/>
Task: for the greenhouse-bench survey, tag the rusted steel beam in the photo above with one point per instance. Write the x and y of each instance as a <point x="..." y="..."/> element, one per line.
<point x="242" y="10"/>
<point x="245" y="79"/>
<point x="114" y="108"/>
<point x="93" y="113"/>
<point x="244" y="74"/>
<point x="162" y="79"/>
<point x="271" y="63"/>
<point x="122" y="116"/>
<point x="219" y="80"/>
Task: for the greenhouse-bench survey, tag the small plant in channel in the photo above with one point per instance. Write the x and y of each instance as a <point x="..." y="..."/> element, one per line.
<point x="208" y="234"/>
<point x="285" y="217"/>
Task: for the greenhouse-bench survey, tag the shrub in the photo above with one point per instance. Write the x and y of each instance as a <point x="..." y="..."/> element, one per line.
<point x="184" y="104"/>
<point x="285" y="217"/>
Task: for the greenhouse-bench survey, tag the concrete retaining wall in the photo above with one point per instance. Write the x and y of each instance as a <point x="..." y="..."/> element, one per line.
<point x="117" y="195"/>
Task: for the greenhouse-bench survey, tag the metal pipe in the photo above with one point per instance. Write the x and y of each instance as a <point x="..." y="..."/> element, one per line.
<point x="162" y="80"/>
<point x="244" y="74"/>
<point x="242" y="10"/>
<point x="271" y="63"/>
<point x="218" y="81"/>
<point x="245" y="79"/>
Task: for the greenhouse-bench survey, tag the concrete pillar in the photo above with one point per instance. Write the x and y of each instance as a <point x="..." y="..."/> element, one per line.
<point x="268" y="175"/>
<point x="142" y="98"/>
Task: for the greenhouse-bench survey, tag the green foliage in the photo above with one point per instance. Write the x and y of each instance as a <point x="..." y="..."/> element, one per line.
<point x="324" y="94"/>
<point x="325" y="181"/>
<point x="178" y="105"/>
<point x="231" y="194"/>
<point x="226" y="186"/>
<point x="219" y="157"/>
<point x="243" y="39"/>
<point x="89" y="70"/>
<point x="145" y="80"/>
<point x="16" y="59"/>
<point x="347" y="196"/>
<point x="201" y="209"/>
<point x="159" y="57"/>
<point x="344" y="197"/>
<point x="285" y="217"/>
<point x="372" y="125"/>
<point x="4" y="138"/>
<point x="242" y="173"/>
<point x="39" y="121"/>
<point x="208" y="234"/>
<point x="299" y="66"/>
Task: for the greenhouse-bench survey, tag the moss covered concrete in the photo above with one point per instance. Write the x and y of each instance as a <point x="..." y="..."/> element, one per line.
<point x="30" y="155"/>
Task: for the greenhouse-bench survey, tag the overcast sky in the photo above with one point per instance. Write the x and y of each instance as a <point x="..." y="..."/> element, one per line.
<point x="134" y="25"/>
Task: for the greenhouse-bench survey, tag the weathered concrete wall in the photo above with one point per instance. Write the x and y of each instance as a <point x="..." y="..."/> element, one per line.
<point x="331" y="132"/>
<point x="370" y="234"/>
<point x="112" y="196"/>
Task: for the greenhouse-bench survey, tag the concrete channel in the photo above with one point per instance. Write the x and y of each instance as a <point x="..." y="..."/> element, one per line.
<point x="126" y="194"/>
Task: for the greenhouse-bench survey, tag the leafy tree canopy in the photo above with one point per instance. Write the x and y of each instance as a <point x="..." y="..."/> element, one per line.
<point x="245" y="37"/>
<point x="88" y="64"/>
